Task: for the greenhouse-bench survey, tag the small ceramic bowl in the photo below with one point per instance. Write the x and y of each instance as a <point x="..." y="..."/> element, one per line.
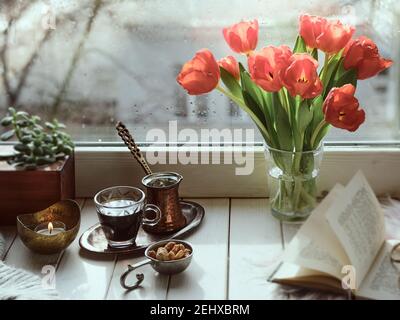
<point x="65" y="212"/>
<point x="163" y="267"/>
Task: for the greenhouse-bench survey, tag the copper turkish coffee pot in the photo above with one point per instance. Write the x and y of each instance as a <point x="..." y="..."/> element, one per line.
<point x="162" y="190"/>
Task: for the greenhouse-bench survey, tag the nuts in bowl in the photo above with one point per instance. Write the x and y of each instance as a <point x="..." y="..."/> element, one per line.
<point x="166" y="257"/>
<point x="170" y="251"/>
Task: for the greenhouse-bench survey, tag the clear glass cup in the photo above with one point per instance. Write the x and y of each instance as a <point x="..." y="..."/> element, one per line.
<point x="292" y="179"/>
<point x="121" y="211"/>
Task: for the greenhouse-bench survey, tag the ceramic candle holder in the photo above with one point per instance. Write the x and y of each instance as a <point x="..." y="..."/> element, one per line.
<point x="36" y="233"/>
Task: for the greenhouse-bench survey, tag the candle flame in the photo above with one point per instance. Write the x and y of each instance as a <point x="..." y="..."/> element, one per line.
<point x="50" y="227"/>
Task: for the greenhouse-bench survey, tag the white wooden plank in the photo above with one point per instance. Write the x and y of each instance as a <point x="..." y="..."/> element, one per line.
<point x="255" y="250"/>
<point x="154" y="285"/>
<point x="20" y="256"/>
<point x="206" y="277"/>
<point x="7" y="234"/>
<point x="289" y="231"/>
<point x="81" y="275"/>
<point x="210" y="243"/>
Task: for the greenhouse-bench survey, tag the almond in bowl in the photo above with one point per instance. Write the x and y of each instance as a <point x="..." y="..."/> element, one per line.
<point x="170" y="252"/>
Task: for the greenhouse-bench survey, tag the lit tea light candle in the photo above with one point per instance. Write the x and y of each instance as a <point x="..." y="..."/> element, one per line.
<point x="51" y="228"/>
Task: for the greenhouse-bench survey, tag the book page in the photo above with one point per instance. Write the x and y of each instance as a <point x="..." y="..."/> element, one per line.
<point x="316" y="246"/>
<point x="383" y="279"/>
<point x="292" y="271"/>
<point x="292" y="274"/>
<point x="358" y="221"/>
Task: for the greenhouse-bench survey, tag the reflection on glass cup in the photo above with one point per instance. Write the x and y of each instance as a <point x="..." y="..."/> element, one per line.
<point x="121" y="211"/>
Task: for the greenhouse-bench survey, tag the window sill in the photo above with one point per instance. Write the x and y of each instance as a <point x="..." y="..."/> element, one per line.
<point x="102" y="166"/>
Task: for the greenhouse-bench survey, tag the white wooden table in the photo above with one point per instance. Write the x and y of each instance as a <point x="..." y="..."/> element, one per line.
<point x="235" y="249"/>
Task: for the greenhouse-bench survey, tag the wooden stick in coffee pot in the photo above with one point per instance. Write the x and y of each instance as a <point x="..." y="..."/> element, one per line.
<point x="123" y="132"/>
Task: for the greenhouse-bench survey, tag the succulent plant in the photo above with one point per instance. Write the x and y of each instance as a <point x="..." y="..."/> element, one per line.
<point x="37" y="145"/>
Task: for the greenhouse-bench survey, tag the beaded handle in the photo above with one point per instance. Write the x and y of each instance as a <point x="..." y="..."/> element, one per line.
<point x="123" y="132"/>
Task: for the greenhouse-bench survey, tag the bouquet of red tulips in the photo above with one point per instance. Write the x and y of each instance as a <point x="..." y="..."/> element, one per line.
<point x="291" y="101"/>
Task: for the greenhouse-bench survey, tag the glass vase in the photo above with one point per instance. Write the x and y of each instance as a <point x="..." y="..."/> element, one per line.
<point x="292" y="182"/>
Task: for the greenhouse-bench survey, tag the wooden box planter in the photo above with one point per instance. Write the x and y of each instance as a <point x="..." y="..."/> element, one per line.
<point x="26" y="191"/>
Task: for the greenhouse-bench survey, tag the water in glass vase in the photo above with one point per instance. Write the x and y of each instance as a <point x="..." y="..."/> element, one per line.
<point x="292" y="178"/>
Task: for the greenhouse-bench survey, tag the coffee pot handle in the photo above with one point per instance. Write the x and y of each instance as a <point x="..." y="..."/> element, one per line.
<point x="139" y="276"/>
<point x="156" y="210"/>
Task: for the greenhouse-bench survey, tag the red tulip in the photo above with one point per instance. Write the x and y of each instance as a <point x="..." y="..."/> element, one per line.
<point x="301" y="78"/>
<point x="266" y="67"/>
<point x="201" y="74"/>
<point x="230" y="64"/>
<point x="342" y="110"/>
<point x="328" y="36"/>
<point x="311" y="27"/>
<point x="362" y="54"/>
<point x="242" y="37"/>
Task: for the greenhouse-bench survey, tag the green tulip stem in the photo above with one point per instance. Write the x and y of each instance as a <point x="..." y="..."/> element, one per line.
<point x="324" y="70"/>
<point x="285" y="102"/>
<point x="316" y="132"/>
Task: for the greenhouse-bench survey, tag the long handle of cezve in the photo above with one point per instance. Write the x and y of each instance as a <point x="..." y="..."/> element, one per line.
<point x="123" y="132"/>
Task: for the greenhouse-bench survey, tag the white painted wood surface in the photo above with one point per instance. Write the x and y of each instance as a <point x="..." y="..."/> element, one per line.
<point x="255" y="247"/>
<point x="81" y="275"/>
<point x="202" y="280"/>
<point x="206" y="277"/>
<point x="236" y="248"/>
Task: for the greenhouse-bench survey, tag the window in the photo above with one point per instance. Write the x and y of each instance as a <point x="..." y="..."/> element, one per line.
<point x="90" y="63"/>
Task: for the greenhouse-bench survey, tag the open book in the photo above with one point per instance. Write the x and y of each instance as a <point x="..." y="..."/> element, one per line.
<point x="343" y="239"/>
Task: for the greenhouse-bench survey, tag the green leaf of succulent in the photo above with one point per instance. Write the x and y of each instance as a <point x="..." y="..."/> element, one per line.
<point x="38" y="151"/>
<point x="61" y="125"/>
<point x="37" y="145"/>
<point x="35" y="119"/>
<point x="22" y="113"/>
<point x="38" y="131"/>
<point x="45" y="160"/>
<point x="67" y="150"/>
<point x="49" y="125"/>
<point x="22" y="148"/>
<point x="6" y="121"/>
<point x="18" y="163"/>
<point x="22" y="123"/>
<point x="26" y="139"/>
<point x="12" y="111"/>
<point x="30" y="159"/>
<point x="47" y="150"/>
<point x="7" y="135"/>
